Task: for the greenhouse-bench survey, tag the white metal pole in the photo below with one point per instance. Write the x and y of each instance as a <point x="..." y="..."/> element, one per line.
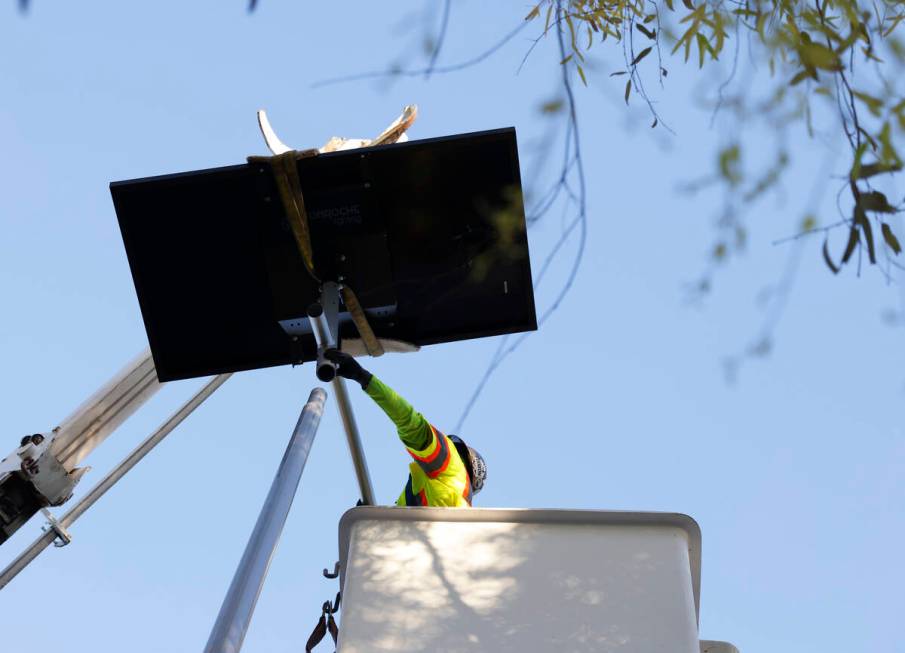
<point x="238" y="606"/>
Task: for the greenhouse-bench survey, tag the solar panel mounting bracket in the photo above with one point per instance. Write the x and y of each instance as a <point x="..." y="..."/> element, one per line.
<point x="324" y="317"/>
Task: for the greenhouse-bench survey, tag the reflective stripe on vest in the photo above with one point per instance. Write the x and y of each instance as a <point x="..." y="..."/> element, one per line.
<point x="467" y="492"/>
<point x="437" y="460"/>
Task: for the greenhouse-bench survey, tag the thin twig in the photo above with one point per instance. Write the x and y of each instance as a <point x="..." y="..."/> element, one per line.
<point x="572" y="156"/>
<point x="422" y="71"/>
<point x="728" y="80"/>
<point x="441" y="37"/>
<point x="809" y="232"/>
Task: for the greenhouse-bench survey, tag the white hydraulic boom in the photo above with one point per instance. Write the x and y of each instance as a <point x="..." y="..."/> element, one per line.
<point x="43" y="469"/>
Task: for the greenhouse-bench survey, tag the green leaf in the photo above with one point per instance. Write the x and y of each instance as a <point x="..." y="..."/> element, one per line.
<point x="654" y="123"/>
<point x="728" y="162"/>
<point x="534" y="13"/>
<point x="566" y="60"/>
<point x="826" y="257"/>
<point x="897" y="47"/>
<point x="641" y="55"/>
<point x="685" y="40"/>
<point x="895" y="20"/>
<point x="861" y="219"/>
<point x="571" y="26"/>
<point x="553" y="106"/>
<point x="808" y="223"/>
<point x="815" y="55"/>
<point x="853" y="238"/>
<point x="799" y="77"/>
<point x="890" y="239"/>
<point x="872" y="169"/>
<point x="874" y="105"/>
<point x="628" y="89"/>
<point x="650" y="18"/>
<point x="888" y="154"/>
<point x="584" y="80"/>
<point x="649" y="34"/>
<point x="875" y="201"/>
<point x="823" y="90"/>
<point x="702" y="48"/>
<point x="807" y="118"/>
<point x="760" y="26"/>
<point x="618" y="72"/>
<point x="688" y="5"/>
<point x="869" y="239"/>
<point x="856" y="165"/>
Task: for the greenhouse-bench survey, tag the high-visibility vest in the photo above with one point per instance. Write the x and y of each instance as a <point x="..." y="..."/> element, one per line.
<point x="437" y="476"/>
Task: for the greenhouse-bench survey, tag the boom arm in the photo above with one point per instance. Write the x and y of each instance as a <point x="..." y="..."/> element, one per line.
<point x="42" y="470"/>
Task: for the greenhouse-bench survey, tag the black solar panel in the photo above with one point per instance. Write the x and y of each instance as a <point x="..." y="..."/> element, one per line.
<point x="430" y="234"/>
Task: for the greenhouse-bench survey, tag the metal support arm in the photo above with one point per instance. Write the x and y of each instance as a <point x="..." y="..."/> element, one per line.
<point x="323" y="322"/>
<point x="238" y="606"/>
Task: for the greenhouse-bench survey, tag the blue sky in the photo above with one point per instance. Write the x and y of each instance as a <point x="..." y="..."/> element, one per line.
<point x="618" y="402"/>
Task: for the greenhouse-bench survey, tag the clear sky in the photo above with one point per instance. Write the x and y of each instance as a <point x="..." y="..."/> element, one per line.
<point x="619" y="402"/>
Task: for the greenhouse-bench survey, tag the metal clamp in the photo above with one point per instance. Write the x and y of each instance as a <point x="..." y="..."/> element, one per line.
<point x="63" y="536"/>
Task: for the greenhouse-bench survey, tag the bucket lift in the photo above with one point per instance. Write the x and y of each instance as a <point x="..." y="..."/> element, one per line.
<point x="509" y="581"/>
<point x="225" y="284"/>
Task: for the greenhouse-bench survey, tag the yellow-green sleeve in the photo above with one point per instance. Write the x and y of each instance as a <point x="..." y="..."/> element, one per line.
<point x="414" y="431"/>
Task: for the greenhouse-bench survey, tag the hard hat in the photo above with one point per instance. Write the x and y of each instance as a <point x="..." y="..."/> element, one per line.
<point x="474" y="463"/>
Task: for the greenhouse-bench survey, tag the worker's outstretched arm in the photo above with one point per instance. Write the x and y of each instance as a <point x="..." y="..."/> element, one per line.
<point x="414" y="431"/>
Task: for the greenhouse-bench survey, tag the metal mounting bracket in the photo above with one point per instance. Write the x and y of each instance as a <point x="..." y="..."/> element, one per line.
<point x="324" y="322"/>
<point x="63" y="537"/>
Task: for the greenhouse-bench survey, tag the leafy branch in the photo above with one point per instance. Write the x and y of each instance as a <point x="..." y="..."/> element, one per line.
<point x="836" y="50"/>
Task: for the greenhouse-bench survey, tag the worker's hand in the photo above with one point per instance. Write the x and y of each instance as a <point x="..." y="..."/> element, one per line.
<point x="348" y="367"/>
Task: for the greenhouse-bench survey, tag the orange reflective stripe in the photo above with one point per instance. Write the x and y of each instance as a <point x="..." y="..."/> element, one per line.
<point x="436" y="462"/>
<point x="442" y="468"/>
<point x="423" y="497"/>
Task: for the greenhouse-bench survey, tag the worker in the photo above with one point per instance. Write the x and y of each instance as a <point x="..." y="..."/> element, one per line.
<point x="445" y="471"/>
